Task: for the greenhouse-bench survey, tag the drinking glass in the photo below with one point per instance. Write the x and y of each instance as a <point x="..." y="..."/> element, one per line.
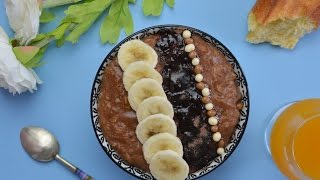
<point x="292" y="138"/>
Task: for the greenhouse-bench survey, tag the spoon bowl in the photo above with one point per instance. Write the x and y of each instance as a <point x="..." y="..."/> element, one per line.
<point x="39" y="143"/>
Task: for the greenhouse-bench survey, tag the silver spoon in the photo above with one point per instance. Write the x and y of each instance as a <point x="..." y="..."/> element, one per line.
<point x="42" y="146"/>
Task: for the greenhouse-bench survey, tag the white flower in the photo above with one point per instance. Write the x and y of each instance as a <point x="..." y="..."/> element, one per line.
<point x="23" y="18"/>
<point x="13" y="75"/>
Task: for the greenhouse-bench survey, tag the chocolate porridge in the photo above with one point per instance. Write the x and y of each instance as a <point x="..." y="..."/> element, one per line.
<point x="118" y="121"/>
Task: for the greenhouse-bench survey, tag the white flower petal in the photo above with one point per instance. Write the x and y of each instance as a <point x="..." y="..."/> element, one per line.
<point x="23" y="18"/>
<point x="36" y="76"/>
<point x="3" y="36"/>
<point x="13" y="75"/>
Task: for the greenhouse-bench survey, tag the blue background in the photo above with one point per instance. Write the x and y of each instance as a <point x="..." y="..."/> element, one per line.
<point x="61" y="104"/>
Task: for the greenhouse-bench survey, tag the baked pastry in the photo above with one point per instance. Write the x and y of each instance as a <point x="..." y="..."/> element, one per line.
<point x="186" y="115"/>
<point x="282" y="22"/>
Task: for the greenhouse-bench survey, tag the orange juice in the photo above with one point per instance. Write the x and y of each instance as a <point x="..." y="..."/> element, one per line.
<point x="295" y="140"/>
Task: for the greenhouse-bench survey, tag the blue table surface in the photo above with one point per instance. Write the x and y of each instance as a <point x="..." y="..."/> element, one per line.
<point x="61" y="104"/>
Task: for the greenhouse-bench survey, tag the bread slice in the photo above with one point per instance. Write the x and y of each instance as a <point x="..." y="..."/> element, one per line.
<point x="282" y="22"/>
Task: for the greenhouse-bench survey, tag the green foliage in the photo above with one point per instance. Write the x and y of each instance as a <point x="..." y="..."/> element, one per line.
<point x="29" y="56"/>
<point x="79" y="18"/>
<point x="170" y="3"/>
<point x="119" y="17"/>
<point x="154" y="7"/>
<point x="46" y="16"/>
<point x="36" y="60"/>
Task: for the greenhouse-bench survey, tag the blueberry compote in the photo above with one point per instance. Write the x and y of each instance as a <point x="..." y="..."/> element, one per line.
<point x="189" y="112"/>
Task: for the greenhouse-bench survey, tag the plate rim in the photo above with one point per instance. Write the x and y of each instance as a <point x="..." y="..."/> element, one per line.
<point x="105" y="60"/>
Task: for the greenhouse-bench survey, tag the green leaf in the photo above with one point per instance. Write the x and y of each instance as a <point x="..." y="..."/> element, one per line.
<point x="29" y="56"/>
<point x="38" y="38"/>
<point x="36" y="60"/>
<point x="82" y="27"/>
<point x="79" y="11"/>
<point x="82" y="16"/>
<point x="46" y="16"/>
<point x="152" y="7"/>
<point x="25" y="53"/>
<point x="132" y="1"/>
<point x="60" y="31"/>
<point x="170" y="3"/>
<point x="119" y="17"/>
<point x="46" y="4"/>
<point x="60" y="42"/>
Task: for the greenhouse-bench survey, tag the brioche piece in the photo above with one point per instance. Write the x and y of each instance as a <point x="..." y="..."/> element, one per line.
<point x="282" y="22"/>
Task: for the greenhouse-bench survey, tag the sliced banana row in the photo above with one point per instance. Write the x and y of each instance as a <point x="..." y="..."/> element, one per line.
<point x="138" y="70"/>
<point x="164" y="153"/>
<point x="154" y="105"/>
<point x="143" y="89"/>
<point x="168" y="165"/>
<point x="161" y="142"/>
<point x="136" y="50"/>
<point x="156" y="130"/>
<point x="155" y="124"/>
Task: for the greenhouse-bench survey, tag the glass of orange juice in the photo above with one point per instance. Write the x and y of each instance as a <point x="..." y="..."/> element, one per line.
<point x="293" y="139"/>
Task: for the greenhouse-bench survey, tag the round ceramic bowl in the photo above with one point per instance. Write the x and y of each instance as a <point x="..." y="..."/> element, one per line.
<point x="236" y="137"/>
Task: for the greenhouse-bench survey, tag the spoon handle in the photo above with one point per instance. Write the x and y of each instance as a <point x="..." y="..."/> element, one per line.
<point x="81" y="174"/>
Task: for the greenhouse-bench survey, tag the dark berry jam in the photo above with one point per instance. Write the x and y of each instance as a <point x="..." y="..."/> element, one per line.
<point x="180" y="88"/>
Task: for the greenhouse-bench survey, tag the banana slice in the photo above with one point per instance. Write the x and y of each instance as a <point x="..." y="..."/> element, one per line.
<point x="143" y="89"/>
<point x="154" y="105"/>
<point x="160" y="142"/>
<point x="138" y="70"/>
<point x="136" y="50"/>
<point x="154" y="124"/>
<point x="168" y="165"/>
